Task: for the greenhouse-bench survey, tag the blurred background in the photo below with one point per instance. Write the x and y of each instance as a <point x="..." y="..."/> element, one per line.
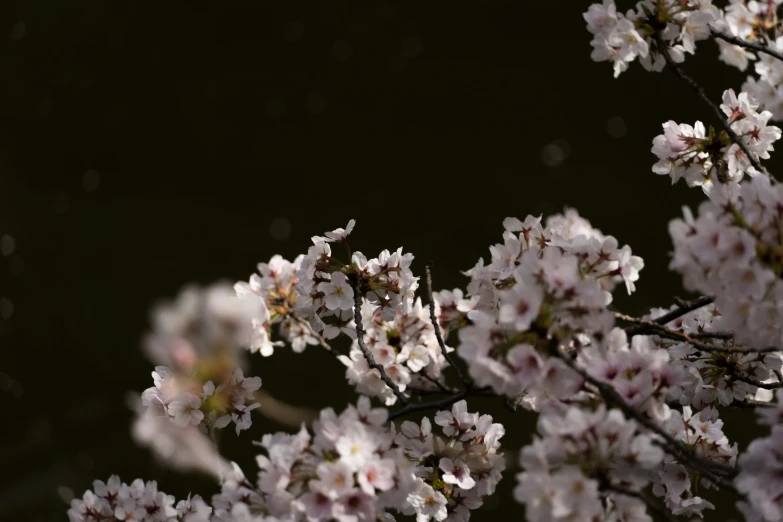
<point x="146" y="145"/>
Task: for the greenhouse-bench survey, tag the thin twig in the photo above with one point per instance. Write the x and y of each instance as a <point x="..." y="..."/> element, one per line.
<point x="441" y="403"/>
<point x="357" y="315"/>
<point x="721" y="117"/>
<point x="747" y="45"/>
<point x="436" y="326"/>
<point x="436" y="382"/>
<point x="685" y="308"/>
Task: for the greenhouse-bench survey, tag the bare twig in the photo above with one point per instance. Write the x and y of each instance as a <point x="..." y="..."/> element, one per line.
<point x="436" y="382"/>
<point x="747" y="45"/>
<point x="715" y="109"/>
<point x="357" y="315"/>
<point x="438" y="335"/>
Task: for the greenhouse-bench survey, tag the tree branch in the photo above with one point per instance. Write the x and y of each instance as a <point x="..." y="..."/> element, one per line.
<point x="357" y="315"/>
<point x="747" y="45"/>
<point x="757" y="383"/>
<point x="662" y="331"/>
<point x="684" y="309"/>
<point x="715" y="109"/>
<point x="436" y="326"/>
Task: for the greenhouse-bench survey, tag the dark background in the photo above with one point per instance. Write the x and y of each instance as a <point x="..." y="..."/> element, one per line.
<point x="145" y="145"/>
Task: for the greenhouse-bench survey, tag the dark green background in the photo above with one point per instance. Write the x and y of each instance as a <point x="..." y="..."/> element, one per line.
<point x="206" y="121"/>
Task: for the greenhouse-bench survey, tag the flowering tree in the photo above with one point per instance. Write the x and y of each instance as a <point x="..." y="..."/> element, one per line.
<point x="629" y="424"/>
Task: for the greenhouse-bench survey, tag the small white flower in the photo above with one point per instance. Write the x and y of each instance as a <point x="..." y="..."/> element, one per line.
<point x="456" y="473"/>
<point x="339" y="234"/>
<point x="185" y="410"/>
<point x="338" y="294"/>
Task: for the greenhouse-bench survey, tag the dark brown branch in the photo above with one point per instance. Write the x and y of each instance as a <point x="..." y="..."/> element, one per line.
<point x="357" y="316"/>
<point x="684" y="309"/>
<point x="755" y="382"/>
<point x="436" y="326"/>
<point x="747" y="45"/>
<point x="654" y="327"/>
<point x="725" y="336"/>
<point x="715" y="109"/>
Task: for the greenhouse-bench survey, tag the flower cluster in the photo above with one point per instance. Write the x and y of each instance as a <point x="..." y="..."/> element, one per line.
<point x="455" y="471"/>
<point x="202" y="326"/>
<point x="327" y="285"/>
<point x="704" y="158"/>
<point x="760" y="479"/>
<point x="272" y="295"/>
<point x="354" y="466"/>
<point x="581" y="458"/>
<point x="406" y="347"/>
<point x="732" y="251"/>
<point x="640" y="371"/>
<point x="548" y="279"/>
<point x="187" y="401"/>
<point x="712" y="378"/>
<point x="198" y="337"/>
<point x="676" y="24"/>
<point x="115" y="501"/>
<point x="705" y="437"/>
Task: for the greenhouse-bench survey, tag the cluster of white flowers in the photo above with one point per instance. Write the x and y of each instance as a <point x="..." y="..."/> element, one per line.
<point x="760" y="477"/>
<point x="712" y="378"/>
<point x="355" y="466"/>
<point x="406" y="347"/>
<point x="582" y="457"/>
<point x="732" y="251"/>
<point x="273" y="297"/>
<point x="115" y="501"/>
<point x="200" y="324"/>
<point x="678" y="24"/>
<point x="198" y="337"/>
<point x="542" y="279"/>
<point x="326" y="284"/>
<point x="640" y="372"/>
<point x="704" y="158"/>
<point x="754" y="22"/>
<point x="187" y="401"/>
<point x="701" y="432"/>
